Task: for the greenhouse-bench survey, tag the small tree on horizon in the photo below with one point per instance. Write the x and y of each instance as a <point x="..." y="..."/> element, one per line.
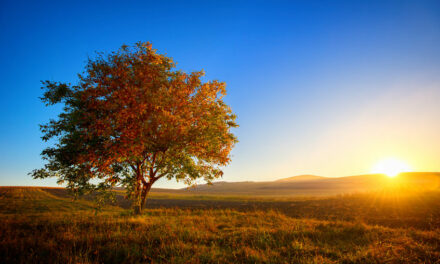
<point x="132" y="120"/>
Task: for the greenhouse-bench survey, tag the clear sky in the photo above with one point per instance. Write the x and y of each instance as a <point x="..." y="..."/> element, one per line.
<point x="319" y="87"/>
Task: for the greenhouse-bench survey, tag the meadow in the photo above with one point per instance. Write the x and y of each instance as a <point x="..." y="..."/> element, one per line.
<point x="44" y="225"/>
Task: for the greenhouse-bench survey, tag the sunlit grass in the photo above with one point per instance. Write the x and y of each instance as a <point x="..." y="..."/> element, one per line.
<point x="226" y="236"/>
<point x="391" y="226"/>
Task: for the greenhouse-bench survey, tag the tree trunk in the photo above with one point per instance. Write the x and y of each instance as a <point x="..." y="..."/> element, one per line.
<point x="141" y="197"/>
<point x="137" y="207"/>
<point x="145" y="191"/>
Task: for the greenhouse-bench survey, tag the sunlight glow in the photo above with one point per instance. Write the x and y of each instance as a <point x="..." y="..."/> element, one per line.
<point x="391" y="167"/>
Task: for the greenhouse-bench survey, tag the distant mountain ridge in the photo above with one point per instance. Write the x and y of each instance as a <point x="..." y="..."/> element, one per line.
<point x="318" y="185"/>
<point x="302" y="185"/>
<point x="303" y="177"/>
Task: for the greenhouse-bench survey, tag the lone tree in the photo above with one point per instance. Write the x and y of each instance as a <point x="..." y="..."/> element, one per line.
<point x="131" y="120"/>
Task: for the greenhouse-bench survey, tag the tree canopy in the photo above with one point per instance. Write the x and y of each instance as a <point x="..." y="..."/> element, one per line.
<point x="132" y="119"/>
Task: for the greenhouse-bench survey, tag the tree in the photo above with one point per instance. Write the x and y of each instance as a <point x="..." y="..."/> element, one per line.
<point x="131" y="120"/>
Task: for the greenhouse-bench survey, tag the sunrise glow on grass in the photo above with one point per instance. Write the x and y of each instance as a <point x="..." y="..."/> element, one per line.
<point x="391" y="167"/>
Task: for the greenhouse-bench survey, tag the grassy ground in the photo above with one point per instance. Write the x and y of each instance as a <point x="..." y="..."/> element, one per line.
<point x="37" y="226"/>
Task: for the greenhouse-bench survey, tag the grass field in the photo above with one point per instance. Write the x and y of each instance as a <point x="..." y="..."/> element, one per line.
<point x="43" y="225"/>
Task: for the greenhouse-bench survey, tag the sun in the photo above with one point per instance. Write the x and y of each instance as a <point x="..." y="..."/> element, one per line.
<point x="391" y="167"/>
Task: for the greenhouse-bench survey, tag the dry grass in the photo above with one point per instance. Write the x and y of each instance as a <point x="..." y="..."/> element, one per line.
<point x="62" y="231"/>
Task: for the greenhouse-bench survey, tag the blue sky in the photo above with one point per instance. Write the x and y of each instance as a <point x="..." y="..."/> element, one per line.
<point x="322" y="87"/>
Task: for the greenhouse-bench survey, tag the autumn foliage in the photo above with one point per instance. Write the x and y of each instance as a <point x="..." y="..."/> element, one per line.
<point x="131" y="120"/>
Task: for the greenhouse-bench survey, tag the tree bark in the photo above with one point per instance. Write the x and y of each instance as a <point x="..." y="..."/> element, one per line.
<point x="137" y="207"/>
<point x="145" y="190"/>
<point x="141" y="197"/>
<point x="142" y="186"/>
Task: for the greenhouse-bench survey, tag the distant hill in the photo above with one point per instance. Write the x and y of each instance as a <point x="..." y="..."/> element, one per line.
<point x="301" y="185"/>
<point x="317" y="185"/>
<point x="305" y="177"/>
<point x="38" y="200"/>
